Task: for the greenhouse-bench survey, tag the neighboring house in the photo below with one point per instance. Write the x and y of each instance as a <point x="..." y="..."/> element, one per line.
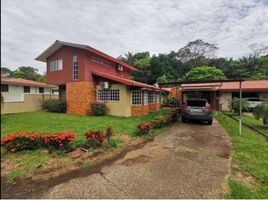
<point x="21" y="95"/>
<point x="219" y="94"/>
<point x="86" y="75"/>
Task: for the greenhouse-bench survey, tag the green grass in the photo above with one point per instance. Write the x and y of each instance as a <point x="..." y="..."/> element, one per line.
<point x="250" y="156"/>
<point x="87" y="164"/>
<point x="46" y="122"/>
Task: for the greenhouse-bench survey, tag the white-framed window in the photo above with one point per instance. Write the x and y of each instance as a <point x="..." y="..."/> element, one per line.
<point x="136" y="97"/>
<point x="151" y="97"/>
<point x="145" y="97"/>
<point x="108" y="95"/>
<point x="75" y="68"/>
<point x="100" y="61"/>
<point x="56" y="65"/>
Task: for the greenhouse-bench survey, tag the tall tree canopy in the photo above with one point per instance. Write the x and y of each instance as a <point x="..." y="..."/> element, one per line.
<point x="205" y="73"/>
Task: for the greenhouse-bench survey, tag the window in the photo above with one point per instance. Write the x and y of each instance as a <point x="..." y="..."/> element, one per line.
<point x="108" y="95"/>
<point x="136" y="97"/>
<point x="75" y="68"/>
<point x="4" y="88"/>
<point x="145" y="97"/>
<point x="26" y="89"/>
<point x="56" y="65"/>
<point x="151" y="97"/>
<point x="41" y="90"/>
<point x="100" y="61"/>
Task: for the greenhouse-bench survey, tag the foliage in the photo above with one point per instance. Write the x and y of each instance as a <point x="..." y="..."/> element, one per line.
<point x="87" y="164"/>
<point x="95" y="138"/>
<point x="98" y="108"/>
<point x="261" y="111"/>
<point x="204" y="73"/>
<point x="171" y="102"/>
<point x="55" y="105"/>
<point x="58" y="140"/>
<point x="21" y="141"/>
<point x="144" y="128"/>
<point x="24" y="141"/>
<point x="235" y="105"/>
<point x="5" y="70"/>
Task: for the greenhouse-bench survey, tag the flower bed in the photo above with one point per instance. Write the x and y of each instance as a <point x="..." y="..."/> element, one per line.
<point x="145" y="127"/>
<point x="25" y="141"/>
<point x="97" y="138"/>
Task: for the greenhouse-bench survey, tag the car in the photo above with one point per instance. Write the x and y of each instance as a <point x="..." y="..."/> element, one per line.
<point x="253" y="102"/>
<point x="197" y="109"/>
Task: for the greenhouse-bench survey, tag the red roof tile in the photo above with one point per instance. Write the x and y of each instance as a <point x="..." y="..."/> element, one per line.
<point x="125" y="81"/>
<point x="21" y="81"/>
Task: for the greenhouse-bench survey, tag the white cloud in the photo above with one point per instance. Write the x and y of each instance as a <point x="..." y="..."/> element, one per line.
<point x="115" y="27"/>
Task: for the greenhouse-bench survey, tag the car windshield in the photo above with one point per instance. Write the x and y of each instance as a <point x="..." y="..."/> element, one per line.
<point x="198" y="103"/>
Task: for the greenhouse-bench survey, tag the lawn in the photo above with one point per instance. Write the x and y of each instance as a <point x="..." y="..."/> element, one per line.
<point x="27" y="163"/>
<point x="46" y="122"/>
<point x="249" y="168"/>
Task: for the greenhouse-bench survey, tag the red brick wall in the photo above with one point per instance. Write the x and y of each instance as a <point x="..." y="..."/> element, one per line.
<point x="79" y="96"/>
<point x="154" y="107"/>
<point x="176" y="93"/>
<point x="139" y="110"/>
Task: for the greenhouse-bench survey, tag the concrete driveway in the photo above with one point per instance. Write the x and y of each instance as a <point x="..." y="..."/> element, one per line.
<point x="187" y="161"/>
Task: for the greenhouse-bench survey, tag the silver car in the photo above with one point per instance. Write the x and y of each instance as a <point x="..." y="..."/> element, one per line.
<point x="197" y="109"/>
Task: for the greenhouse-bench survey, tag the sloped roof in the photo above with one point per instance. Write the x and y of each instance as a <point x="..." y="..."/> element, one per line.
<point x="125" y="81"/>
<point x="251" y="85"/>
<point x="58" y="44"/>
<point x="21" y="81"/>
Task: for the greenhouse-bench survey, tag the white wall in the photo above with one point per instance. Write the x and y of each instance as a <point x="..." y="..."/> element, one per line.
<point x="14" y="94"/>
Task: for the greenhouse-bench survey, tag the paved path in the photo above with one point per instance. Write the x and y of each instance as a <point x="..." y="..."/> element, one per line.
<point x="188" y="161"/>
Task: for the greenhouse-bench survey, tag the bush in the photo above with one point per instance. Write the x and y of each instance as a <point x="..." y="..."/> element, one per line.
<point x="21" y="141"/>
<point x="261" y="111"/>
<point x="58" y="140"/>
<point x="97" y="138"/>
<point x="25" y="141"/>
<point x="98" y="108"/>
<point x="144" y="128"/>
<point x="171" y="102"/>
<point x="55" y="105"/>
<point x="235" y="105"/>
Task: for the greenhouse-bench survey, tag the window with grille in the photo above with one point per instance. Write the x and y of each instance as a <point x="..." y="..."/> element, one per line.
<point x="26" y="89"/>
<point x="75" y="68"/>
<point x="145" y="97"/>
<point x="151" y="97"/>
<point x="136" y="97"/>
<point x="4" y="88"/>
<point x="100" y="61"/>
<point x="108" y="95"/>
<point x="56" y="65"/>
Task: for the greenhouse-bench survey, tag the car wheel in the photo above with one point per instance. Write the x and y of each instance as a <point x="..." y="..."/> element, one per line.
<point x="210" y="122"/>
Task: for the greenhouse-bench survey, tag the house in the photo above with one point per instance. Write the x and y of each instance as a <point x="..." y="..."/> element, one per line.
<point x="86" y="75"/>
<point x="219" y="94"/>
<point x="21" y="95"/>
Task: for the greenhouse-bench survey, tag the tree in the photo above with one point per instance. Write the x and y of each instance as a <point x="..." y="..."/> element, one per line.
<point x="29" y="73"/>
<point x="205" y="73"/>
<point x="18" y="74"/>
<point x="127" y="57"/>
<point x="5" y="70"/>
<point x="261" y="111"/>
<point x="235" y="105"/>
<point x="196" y="51"/>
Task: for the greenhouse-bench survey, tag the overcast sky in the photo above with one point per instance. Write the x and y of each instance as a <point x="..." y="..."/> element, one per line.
<point x="117" y="26"/>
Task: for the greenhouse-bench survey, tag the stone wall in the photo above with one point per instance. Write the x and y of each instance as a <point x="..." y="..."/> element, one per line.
<point x="79" y="96"/>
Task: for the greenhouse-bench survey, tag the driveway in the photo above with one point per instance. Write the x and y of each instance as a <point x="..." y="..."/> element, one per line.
<point x="187" y="161"/>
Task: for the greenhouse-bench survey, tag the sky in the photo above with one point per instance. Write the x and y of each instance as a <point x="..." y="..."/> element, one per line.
<point x="115" y="27"/>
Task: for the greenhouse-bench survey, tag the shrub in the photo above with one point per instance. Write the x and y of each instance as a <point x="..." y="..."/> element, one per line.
<point x="235" y="105"/>
<point x="95" y="138"/>
<point x="21" y="141"/>
<point x="261" y="111"/>
<point x="98" y="108"/>
<point x="55" y="105"/>
<point x="171" y="102"/>
<point x="58" y="140"/>
<point x="144" y="128"/>
<point x="158" y="123"/>
<point x="109" y="133"/>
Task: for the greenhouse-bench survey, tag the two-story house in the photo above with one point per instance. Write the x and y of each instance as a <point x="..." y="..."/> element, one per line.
<point x="86" y="75"/>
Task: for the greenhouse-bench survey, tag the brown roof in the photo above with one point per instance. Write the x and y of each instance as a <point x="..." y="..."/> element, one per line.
<point x="126" y="81"/>
<point x="252" y="85"/>
<point x="21" y="81"/>
<point x="58" y="44"/>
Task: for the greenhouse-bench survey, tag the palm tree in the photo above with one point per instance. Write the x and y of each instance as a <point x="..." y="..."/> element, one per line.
<point x="261" y="111"/>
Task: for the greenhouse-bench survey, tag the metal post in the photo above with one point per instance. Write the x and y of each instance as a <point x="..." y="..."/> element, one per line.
<point x="160" y="103"/>
<point x="240" y="107"/>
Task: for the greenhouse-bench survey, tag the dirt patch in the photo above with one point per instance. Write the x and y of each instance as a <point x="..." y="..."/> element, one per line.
<point x="246" y="178"/>
<point x="141" y="159"/>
